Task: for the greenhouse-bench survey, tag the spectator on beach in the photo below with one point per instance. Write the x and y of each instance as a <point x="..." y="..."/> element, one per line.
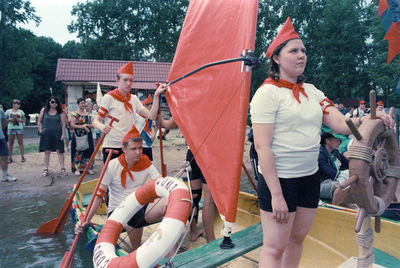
<point x="96" y="132"/>
<point x="380" y="106"/>
<point x="361" y="110"/>
<point x="4" y="149"/>
<point x="123" y="176"/>
<point x="16" y="121"/>
<point x="349" y="114"/>
<point x="67" y="134"/>
<point x="287" y="115"/>
<point x="51" y="125"/>
<point x="120" y="104"/>
<point x="342" y="109"/>
<point x="334" y="169"/>
<point x="4" y="129"/>
<point x="82" y="139"/>
<point x="147" y="128"/>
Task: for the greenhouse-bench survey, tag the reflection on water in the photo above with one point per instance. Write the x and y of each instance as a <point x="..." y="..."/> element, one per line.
<point x="20" y="246"/>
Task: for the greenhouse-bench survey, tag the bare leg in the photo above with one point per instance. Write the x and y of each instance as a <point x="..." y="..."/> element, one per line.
<point x="275" y="239"/>
<point x="20" y="139"/>
<point x="10" y="145"/>
<point x="154" y="212"/>
<point x="301" y="226"/>
<point x="194" y="232"/>
<point x="4" y="164"/>
<point x="46" y="159"/>
<point x="208" y="214"/>
<point x="61" y="159"/>
<point x="135" y="236"/>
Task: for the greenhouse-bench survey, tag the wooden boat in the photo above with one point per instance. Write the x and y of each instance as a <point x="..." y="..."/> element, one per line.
<point x="330" y="243"/>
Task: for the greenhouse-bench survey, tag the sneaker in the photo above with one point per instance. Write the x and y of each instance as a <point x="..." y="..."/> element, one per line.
<point x="77" y="173"/>
<point x="23" y="159"/>
<point x="8" y="178"/>
<point x="9" y="160"/>
<point x="45" y="172"/>
<point x="91" y="172"/>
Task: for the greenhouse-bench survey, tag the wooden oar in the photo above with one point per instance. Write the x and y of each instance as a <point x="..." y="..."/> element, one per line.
<point x="163" y="165"/>
<point x="69" y="255"/>
<point x="56" y="225"/>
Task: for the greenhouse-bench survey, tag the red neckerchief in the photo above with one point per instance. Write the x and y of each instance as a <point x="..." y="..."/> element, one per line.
<point x="116" y="94"/>
<point x="296" y="88"/>
<point x="143" y="163"/>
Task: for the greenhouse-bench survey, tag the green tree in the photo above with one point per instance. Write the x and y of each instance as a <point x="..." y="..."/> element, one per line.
<point x="123" y="30"/>
<point x="43" y="75"/>
<point x="16" y="49"/>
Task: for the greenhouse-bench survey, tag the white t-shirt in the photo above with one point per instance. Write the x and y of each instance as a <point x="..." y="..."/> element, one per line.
<point x="119" y="129"/>
<point x="112" y="178"/>
<point x="297" y="127"/>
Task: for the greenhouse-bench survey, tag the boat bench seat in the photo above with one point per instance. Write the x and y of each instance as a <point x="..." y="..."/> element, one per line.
<point x="211" y="255"/>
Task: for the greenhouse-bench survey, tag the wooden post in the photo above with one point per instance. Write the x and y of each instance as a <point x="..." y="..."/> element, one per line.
<point x="365" y="240"/>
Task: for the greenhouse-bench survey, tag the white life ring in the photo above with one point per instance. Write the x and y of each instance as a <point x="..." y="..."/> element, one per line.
<point x="161" y="241"/>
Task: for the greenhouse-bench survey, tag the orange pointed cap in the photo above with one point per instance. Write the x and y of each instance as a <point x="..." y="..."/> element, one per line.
<point x="147" y="100"/>
<point x="133" y="133"/>
<point x="379" y="103"/>
<point x="126" y="69"/>
<point x="362" y="102"/>
<point x="286" y="33"/>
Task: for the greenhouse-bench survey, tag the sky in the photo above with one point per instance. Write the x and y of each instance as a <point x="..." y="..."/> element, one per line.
<point x="55" y="16"/>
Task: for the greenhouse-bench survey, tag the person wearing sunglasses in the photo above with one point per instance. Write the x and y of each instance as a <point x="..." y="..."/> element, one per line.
<point x="16" y="120"/>
<point x="51" y="123"/>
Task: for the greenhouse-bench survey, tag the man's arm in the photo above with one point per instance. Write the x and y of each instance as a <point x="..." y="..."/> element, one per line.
<point x="81" y="226"/>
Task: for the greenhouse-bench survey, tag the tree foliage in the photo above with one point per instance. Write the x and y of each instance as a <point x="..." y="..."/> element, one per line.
<point x="345" y="44"/>
<point x="122" y="30"/>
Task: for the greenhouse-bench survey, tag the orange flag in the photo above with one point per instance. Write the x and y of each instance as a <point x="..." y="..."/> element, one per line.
<point x="210" y="107"/>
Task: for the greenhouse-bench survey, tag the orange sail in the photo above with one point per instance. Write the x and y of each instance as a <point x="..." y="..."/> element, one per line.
<point x="210" y="107"/>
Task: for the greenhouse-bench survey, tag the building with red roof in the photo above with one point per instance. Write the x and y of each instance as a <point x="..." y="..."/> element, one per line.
<point x="80" y="77"/>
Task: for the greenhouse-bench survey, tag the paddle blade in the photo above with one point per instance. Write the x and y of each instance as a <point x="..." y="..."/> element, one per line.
<point x="56" y="225"/>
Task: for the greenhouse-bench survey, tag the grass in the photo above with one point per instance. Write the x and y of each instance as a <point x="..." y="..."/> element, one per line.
<point x="29" y="148"/>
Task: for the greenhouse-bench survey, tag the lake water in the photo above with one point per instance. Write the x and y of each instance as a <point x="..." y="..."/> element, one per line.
<point x="20" y="246"/>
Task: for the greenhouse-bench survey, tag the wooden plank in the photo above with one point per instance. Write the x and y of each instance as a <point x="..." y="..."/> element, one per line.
<point x="211" y="255"/>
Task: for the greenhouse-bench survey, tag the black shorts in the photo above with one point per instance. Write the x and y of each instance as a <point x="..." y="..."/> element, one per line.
<point x="138" y="220"/>
<point x="105" y="154"/>
<point x="3" y="147"/>
<point x="148" y="152"/>
<point x="298" y="192"/>
<point x="196" y="172"/>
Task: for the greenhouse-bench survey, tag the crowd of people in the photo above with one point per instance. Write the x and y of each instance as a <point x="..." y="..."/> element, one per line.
<point x="296" y="165"/>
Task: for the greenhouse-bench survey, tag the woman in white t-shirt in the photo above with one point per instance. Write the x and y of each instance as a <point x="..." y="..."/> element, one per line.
<point x="287" y="115"/>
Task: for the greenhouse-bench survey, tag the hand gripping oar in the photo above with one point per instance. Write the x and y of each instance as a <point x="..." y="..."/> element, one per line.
<point x="69" y="255"/>
<point x="56" y="225"/>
